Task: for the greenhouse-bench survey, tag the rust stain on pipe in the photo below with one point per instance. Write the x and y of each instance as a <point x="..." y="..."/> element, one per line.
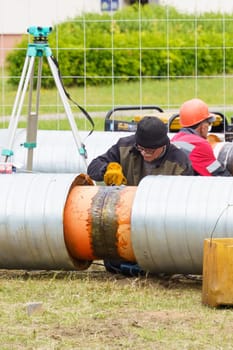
<point x="123" y="212"/>
<point x="77" y="222"/>
<point x="97" y="222"/>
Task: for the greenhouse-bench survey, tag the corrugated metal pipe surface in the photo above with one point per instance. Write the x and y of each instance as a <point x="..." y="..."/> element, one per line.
<point x="56" y="150"/>
<point x="223" y="151"/>
<point x="62" y="221"/>
<point x="31" y="221"/>
<point x="171" y="217"/>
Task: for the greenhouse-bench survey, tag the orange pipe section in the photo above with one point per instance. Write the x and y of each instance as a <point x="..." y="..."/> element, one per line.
<point x="78" y="220"/>
<point x="123" y="212"/>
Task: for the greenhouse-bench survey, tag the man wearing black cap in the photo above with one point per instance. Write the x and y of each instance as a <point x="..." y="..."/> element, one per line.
<point x="147" y="152"/>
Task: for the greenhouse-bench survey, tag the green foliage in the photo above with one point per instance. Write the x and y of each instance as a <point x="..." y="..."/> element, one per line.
<point x="15" y="61"/>
<point x="154" y="41"/>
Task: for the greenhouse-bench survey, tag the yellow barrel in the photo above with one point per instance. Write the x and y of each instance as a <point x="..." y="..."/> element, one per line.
<point x="217" y="286"/>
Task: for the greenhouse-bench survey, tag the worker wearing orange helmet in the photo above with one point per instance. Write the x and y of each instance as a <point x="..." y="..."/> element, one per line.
<point x="195" y="120"/>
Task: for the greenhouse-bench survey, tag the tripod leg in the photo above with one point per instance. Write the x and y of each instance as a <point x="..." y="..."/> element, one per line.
<point x="66" y="106"/>
<point x="18" y="105"/>
<point x="20" y="85"/>
<point x="32" y="124"/>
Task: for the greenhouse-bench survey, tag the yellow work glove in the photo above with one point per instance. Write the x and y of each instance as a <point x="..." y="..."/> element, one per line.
<point x="114" y="175"/>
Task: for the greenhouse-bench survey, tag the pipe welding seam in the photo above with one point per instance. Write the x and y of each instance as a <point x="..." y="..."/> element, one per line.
<point x="97" y="222"/>
<point x="59" y="221"/>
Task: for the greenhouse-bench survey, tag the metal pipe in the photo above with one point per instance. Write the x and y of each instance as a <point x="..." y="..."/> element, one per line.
<point x="31" y="221"/>
<point x="168" y="218"/>
<point x="97" y="222"/>
<point x="56" y="151"/>
<point x="50" y="221"/>
<point x="171" y="217"/>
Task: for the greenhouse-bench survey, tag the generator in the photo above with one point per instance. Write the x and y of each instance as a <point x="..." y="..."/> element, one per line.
<point x="125" y="118"/>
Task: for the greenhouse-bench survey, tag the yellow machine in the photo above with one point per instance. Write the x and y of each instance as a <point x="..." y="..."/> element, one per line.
<point x="126" y="119"/>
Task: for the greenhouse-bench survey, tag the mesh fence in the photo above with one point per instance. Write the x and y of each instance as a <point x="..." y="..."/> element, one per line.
<point x="167" y="90"/>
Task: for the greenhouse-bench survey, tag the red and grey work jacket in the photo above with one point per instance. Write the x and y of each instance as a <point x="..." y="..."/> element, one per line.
<point x="200" y="153"/>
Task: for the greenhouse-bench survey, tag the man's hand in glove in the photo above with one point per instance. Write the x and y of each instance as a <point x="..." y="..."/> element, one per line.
<point x="114" y="175"/>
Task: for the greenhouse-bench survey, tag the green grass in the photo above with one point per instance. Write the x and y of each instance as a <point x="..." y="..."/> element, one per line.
<point x="96" y="310"/>
<point x="168" y="94"/>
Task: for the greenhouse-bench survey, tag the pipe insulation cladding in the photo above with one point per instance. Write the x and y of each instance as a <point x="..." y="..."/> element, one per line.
<point x="171" y="217"/>
<point x="31" y="221"/>
<point x="63" y="221"/>
<point x="56" y="150"/>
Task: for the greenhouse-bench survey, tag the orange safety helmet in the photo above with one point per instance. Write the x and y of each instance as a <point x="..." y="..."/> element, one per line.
<point x="193" y="112"/>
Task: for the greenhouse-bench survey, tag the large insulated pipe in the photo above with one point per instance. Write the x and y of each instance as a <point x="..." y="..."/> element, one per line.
<point x="171" y="217"/>
<point x="56" y="150"/>
<point x="164" y="221"/>
<point x="50" y="221"/>
<point x="31" y="221"/>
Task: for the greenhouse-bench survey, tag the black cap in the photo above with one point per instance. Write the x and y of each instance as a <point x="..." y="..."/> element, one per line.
<point x="151" y="133"/>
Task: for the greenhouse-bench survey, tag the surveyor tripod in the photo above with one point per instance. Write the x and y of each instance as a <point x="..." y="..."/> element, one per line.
<point x="38" y="49"/>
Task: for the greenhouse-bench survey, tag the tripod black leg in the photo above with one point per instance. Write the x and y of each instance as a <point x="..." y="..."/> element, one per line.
<point x="66" y="105"/>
